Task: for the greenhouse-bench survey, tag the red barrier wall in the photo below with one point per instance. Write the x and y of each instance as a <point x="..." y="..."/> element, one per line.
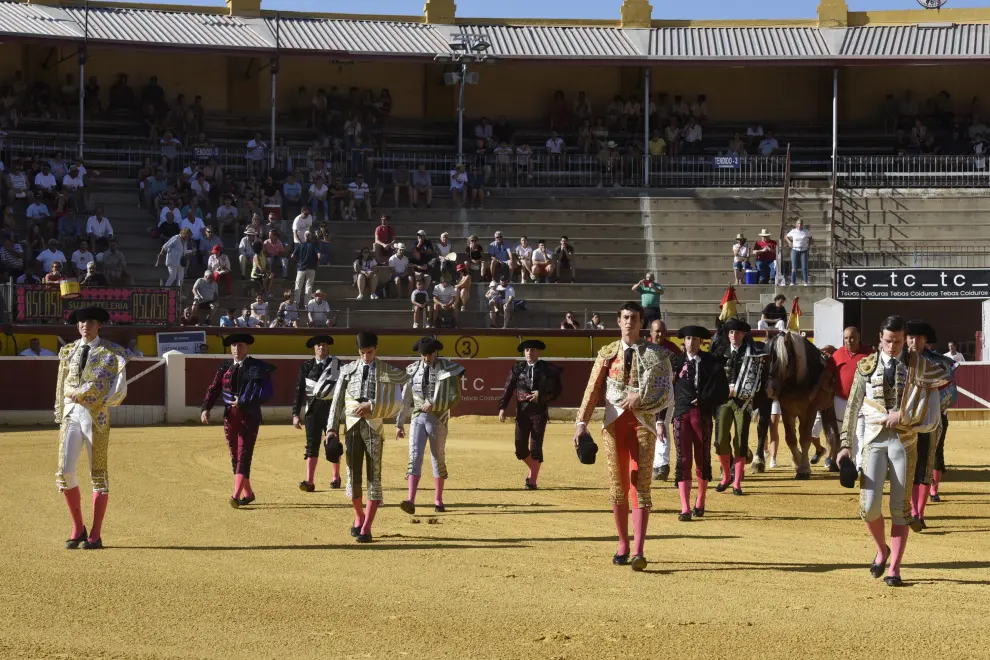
<point x="29" y="383"/>
<point x="974" y="379"/>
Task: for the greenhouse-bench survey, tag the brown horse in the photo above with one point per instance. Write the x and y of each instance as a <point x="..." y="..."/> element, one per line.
<point x="795" y="368"/>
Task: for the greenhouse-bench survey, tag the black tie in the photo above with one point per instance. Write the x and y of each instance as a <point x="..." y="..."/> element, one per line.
<point x="83" y="357"/>
<point x="364" y="377"/>
<point x="628" y="362"/>
<point x="890" y="372"/>
<point x="426" y="381"/>
<point x="234" y="373"/>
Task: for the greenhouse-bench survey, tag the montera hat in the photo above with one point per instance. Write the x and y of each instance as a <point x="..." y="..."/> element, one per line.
<point x="427" y="345"/>
<point x="848" y="473"/>
<point x="239" y="338"/>
<point x="89" y="314"/>
<point x="919" y="327"/>
<point x="736" y="324"/>
<point x="319" y="339"/>
<point x="694" y="331"/>
<point x="367" y="339"/>
<point x="586" y="448"/>
<point x="531" y="343"/>
<point x="333" y="449"/>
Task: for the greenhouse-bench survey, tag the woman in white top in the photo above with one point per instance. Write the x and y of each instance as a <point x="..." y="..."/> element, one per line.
<point x="458" y="181"/>
<point x="740" y="258"/>
<point x="288" y="310"/>
<point x="799" y="239"/>
<point x="366" y="275"/>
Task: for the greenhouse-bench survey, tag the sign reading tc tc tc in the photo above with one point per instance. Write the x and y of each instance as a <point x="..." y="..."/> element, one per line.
<point x="912" y="283"/>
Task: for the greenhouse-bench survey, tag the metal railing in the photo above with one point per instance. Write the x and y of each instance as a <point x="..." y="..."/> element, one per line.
<point x="926" y="255"/>
<point x="913" y="172"/>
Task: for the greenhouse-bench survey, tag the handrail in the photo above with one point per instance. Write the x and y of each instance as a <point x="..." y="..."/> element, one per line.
<point x="783" y="216"/>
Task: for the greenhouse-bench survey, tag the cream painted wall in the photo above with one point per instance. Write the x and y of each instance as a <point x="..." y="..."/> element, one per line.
<point x="862" y="89"/>
<point x="11" y="60"/>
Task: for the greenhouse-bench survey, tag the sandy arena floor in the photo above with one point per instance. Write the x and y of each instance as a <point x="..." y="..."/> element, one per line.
<point x="505" y="573"/>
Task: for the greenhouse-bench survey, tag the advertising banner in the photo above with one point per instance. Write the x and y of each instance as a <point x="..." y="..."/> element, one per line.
<point x="135" y="305"/>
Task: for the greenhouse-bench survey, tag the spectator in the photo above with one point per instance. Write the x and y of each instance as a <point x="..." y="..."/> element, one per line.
<point x="524" y="163"/>
<point x="522" y="262"/>
<point x="736" y="146"/>
<point x="582" y="108"/>
<point x="188" y="317"/>
<point x="401" y="182"/>
<point x="373" y="177"/>
<point x="462" y="290"/>
<point x="319" y="197"/>
<point x="34" y="349"/>
<point x="484" y="131"/>
<point x="11" y="257"/>
<point x="699" y="109"/>
<point x="340" y="198"/>
<point x="229" y="320"/>
<point x="740" y="259"/>
<point x="658" y="146"/>
<point x="288" y="309"/>
<point x="499" y="252"/>
<point x="52" y="255"/>
<point x="384" y="244"/>
<point x="595" y="323"/>
<point x="301" y="225"/>
<point x="54" y="276"/>
<point x="476" y="257"/>
<point x="421" y="258"/>
<point x="114" y="264"/>
<point x="256" y="155"/>
<point x="207" y="243"/>
<point x="261" y="268"/>
<point x="74" y="187"/>
<point x="245" y="320"/>
<point x="954" y="353"/>
<point x="501" y="298"/>
<point x="569" y="323"/>
<point x="259" y="310"/>
<point x="774" y="315"/>
<point x="458" y="181"/>
<point x="445" y="300"/>
<point x="542" y="262"/>
<point x="291" y="197"/>
<point x="650" y="294"/>
<point x="307" y="256"/>
<point x="30" y="275"/>
<point x="275" y="251"/>
<point x="227" y="216"/>
<point x="18" y="181"/>
<point x="93" y="276"/>
<point x="799" y="240"/>
<point x="45" y="182"/>
<point x="693" y="137"/>
<point x="442" y="262"/>
<point x="201" y="187"/>
<point x="39" y="213"/>
<point x="82" y="257"/>
<point x="765" y="252"/>
<point x="399" y="263"/>
<point x="503" y="163"/>
<point x="366" y="275"/>
<point x="476" y="188"/>
<point x="555" y="151"/>
<point x="614" y="113"/>
<point x="563" y="262"/>
<point x="769" y="145"/>
<point x="219" y="265"/>
<point x="205" y="295"/>
<point x="195" y="225"/>
<point x="319" y="311"/>
<point x="420" y="300"/>
<point x="908" y="109"/>
<point x="169" y="226"/>
<point x="245" y="251"/>
<point x="360" y="195"/>
<point x="177" y="252"/>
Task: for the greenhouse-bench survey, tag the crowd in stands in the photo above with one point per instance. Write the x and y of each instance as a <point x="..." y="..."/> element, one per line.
<point x="936" y="127"/>
<point x="763" y="254"/>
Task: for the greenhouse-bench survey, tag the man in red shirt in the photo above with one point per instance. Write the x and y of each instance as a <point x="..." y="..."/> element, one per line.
<point x="661" y="455"/>
<point x="843" y="365"/>
<point x="384" y="241"/>
<point x="765" y="252"/>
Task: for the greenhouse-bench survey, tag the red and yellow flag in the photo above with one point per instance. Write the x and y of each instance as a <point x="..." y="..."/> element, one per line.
<point x="728" y="305"/>
<point x="794" y="320"/>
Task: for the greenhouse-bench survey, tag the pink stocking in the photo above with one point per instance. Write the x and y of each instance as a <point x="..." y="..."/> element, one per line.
<point x="641" y="520"/>
<point x="922" y="500"/>
<point x="358" y="512"/>
<point x="740" y="469"/>
<point x="369" y="515"/>
<point x="875" y="527"/>
<point x="702" y="491"/>
<point x="936" y="480"/>
<point x="99" y="510"/>
<point x="413" y="487"/>
<point x="438" y="490"/>
<point x="248" y="491"/>
<point x="621" y="514"/>
<point x="534" y="471"/>
<point x="898" y="544"/>
<point x="74" y="501"/>
<point x="684" y="487"/>
<point x="238" y="485"/>
<point x="914" y="500"/>
<point x="726" y="462"/>
<point x="311" y="464"/>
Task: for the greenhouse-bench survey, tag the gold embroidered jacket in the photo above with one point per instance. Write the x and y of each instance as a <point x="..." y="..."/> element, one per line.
<point x="101" y="384"/>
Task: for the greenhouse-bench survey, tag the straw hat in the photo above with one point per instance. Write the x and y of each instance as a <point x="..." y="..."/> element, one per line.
<point x="764" y="234"/>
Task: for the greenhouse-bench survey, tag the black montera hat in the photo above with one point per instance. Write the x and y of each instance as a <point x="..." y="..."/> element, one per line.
<point x="319" y="339"/>
<point x="586" y="449"/>
<point x="367" y="339"/>
<point x="531" y="343"/>
<point x="694" y="331"/>
<point x="239" y="338"/>
<point x="89" y="314"/>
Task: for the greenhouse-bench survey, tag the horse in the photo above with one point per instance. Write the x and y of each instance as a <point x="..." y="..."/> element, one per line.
<point x="796" y="366"/>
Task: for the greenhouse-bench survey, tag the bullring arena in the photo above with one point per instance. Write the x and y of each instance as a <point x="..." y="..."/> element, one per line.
<point x="635" y="149"/>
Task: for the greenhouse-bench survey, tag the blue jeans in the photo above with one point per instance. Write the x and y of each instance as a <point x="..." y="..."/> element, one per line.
<point x="68" y="227"/>
<point x="315" y="204"/>
<point x="799" y="261"/>
<point x="764" y="268"/>
<point x="324" y="253"/>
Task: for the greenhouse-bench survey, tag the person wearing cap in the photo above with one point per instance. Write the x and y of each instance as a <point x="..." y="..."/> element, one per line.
<point x="661" y="458"/>
<point x="635" y="377"/>
<point x="736" y="413"/>
<point x="740" y="259"/>
<point x="534" y="384"/>
<point x="243" y="383"/>
<point x="91" y="380"/>
<point x="765" y="251"/>
<point x="428" y="397"/>
<point x="501" y="297"/>
<point x="368" y="392"/>
<point x="311" y="406"/>
<point x="892" y="390"/>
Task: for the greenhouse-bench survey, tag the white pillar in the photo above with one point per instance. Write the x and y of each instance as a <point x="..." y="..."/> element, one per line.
<point x="175" y="388"/>
<point x="646" y="127"/>
<point x="829" y="322"/>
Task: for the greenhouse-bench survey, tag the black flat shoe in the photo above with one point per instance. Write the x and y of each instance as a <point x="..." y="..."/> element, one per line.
<point x="335" y="483"/>
<point x="924" y="525"/>
<point x="721" y="488"/>
<point x="407" y="507"/>
<point x="621" y="560"/>
<point x="306" y="486"/>
<point x="934" y="498"/>
<point x="356" y="531"/>
<point x="92" y="545"/>
<point x="684" y="517"/>
<point x="364" y="538"/>
<point x="530" y="486"/>
<point x="439" y="508"/>
<point x="247" y="500"/>
<point x="916" y="525"/>
<point x="699" y="513"/>
<point x="72" y="544"/>
<point x="234" y="502"/>
<point x="803" y="476"/>
<point x="638" y="563"/>
<point x="876" y="570"/>
<point x="737" y="491"/>
<point x="893" y="581"/>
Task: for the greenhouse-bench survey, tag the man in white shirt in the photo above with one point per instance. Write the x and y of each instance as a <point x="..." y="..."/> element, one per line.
<point x="245" y="320"/>
<point x="399" y="263"/>
<point x="72" y="185"/>
<point x="200" y="186"/>
<point x="484" y="131"/>
<point x="51" y="255"/>
<point x="359" y="195"/>
<point x="301" y="225"/>
<point x="45" y="180"/>
<point x="458" y="182"/>
<point x="954" y="353"/>
<point x="38" y="211"/>
<point x="195" y="225"/>
<point x="500" y="299"/>
<point x="692" y="137"/>
<point x="82" y="257"/>
<point x="98" y="227"/>
<point x="319" y="310"/>
<point x="169" y="208"/>
<point x="35" y="350"/>
<point x="555" y="151"/>
<point x="522" y="260"/>
<point x="799" y="239"/>
<point x="443" y="300"/>
<point x="256" y="155"/>
<point x="768" y="145"/>
<point x="319" y="194"/>
<point x="524" y="158"/>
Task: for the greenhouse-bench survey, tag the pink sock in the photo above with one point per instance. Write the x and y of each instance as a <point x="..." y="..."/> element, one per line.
<point x="336" y="471"/>
<point x="876" y="529"/>
<point x="702" y="491"/>
<point x="936" y="480"/>
<point x="898" y="544"/>
<point x="311" y="464"/>
<point x="914" y="500"/>
<point x="621" y="514"/>
<point x="238" y="485"/>
<point x="358" y="512"/>
<point x="641" y="520"/>
<point x="74" y="501"/>
<point x="246" y="486"/>
<point x="922" y="500"/>
<point x="413" y="487"/>
<point x="534" y="471"/>
<point x="740" y="469"/>
<point x="369" y="515"/>
<point x="438" y="490"/>
<point x="726" y="462"/>
<point x="99" y="510"/>
<point x="684" y="488"/>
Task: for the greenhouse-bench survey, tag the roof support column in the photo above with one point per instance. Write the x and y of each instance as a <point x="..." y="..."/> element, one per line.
<point x="835" y="122"/>
<point x="646" y="127"/>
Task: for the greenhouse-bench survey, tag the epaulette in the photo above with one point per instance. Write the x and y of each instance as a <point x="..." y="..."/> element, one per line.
<point x="867" y="365"/>
<point x="609" y="351"/>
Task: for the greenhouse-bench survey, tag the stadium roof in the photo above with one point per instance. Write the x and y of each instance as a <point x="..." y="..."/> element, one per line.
<point x="413" y="38"/>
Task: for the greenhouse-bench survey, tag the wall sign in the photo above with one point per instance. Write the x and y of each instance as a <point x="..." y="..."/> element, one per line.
<point x="932" y="4"/>
<point x="912" y="283"/>
<point x="127" y="304"/>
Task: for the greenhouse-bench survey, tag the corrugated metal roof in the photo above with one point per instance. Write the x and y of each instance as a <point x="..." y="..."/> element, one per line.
<point x="168" y="28"/>
<point x="551" y="42"/>
<point x="914" y="41"/>
<point x="36" y="20"/>
<point x="737" y="43"/>
<point x="358" y="37"/>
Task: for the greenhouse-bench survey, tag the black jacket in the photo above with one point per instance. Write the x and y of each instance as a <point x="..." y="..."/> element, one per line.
<point x="546" y="381"/>
<point x="713" y="386"/>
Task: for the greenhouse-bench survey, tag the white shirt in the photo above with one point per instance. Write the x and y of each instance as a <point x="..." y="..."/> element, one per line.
<point x="99" y="227"/>
<point x="318" y="311"/>
<point x="256" y="150"/>
<point x="958" y="357"/>
<point x="800" y="239"/>
<point x="224" y="212"/>
<point x="176" y="215"/>
<point x="540" y="257"/>
<point x="693" y="134"/>
<point x="319" y="191"/>
<point x="555" y="145"/>
<point x="249" y="322"/>
<point x="246" y="247"/>
<point x="398" y="264"/>
<point x="196" y="228"/>
<point x="200" y="188"/>
<point x="47" y="258"/>
<point x="300" y="226"/>
<point x="483" y="131"/>
<point x="444" y="294"/>
<point x="457" y="180"/>
<point x="358" y="192"/>
<point x="69" y="182"/>
<point x="37" y="211"/>
<point x="43" y="180"/>
<point x="443" y="250"/>
<point x="523" y="154"/>
<point x="755" y="131"/>
<point x="42" y="352"/>
<point x="768" y="146"/>
<point x="259" y="309"/>
<point x="81" y="259"/>
<point x="524" y="252"/>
